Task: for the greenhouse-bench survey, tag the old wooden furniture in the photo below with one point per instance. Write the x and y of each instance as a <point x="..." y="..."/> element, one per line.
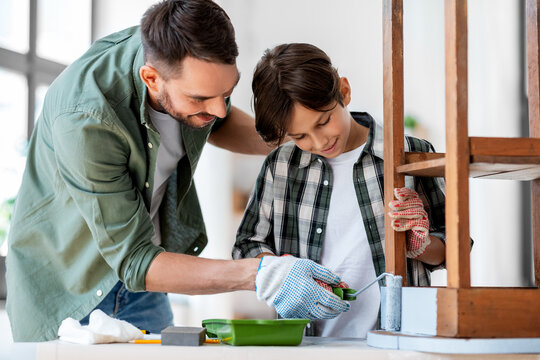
<point x="463" y="311"/>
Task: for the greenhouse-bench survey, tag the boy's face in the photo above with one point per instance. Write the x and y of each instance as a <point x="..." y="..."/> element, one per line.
<point x="325" y="133"/>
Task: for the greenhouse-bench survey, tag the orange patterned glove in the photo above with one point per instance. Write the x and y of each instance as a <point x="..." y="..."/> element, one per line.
<point x="326" y="286"/>
<point x="408" y="215"/>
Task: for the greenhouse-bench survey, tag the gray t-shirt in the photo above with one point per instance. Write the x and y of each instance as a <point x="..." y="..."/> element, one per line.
<point x="170" y="151"/>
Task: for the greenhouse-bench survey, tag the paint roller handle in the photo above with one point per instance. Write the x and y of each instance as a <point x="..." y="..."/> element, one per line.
<point x="349" y="296"/>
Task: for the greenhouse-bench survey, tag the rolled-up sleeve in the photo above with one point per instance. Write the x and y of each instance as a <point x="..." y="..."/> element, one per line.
<point x="92" y="159"/>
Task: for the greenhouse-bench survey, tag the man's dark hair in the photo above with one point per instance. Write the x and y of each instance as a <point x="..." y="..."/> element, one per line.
<point x="174" y="29"/>
<point x="289" y="74"/>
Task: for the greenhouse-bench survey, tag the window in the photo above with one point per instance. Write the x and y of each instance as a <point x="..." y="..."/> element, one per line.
<point x="38" y="39"/>
<point x="14" y="27"/>
<point x="13" y="135"/>
<point x="57" y="39"/>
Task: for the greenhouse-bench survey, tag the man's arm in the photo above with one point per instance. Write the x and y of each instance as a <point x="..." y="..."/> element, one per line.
<point x="264" y="254"/>
<point x="238" y="134"/>
<point x="185" y="274"/>
<point x="277" y="280"/>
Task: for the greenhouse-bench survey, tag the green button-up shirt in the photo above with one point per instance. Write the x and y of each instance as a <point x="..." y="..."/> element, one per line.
<point x="81" y="221"/>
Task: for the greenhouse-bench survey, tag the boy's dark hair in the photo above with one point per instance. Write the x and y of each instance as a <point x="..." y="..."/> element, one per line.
<point x="289" y="74"/>
<point x="174" y="29"/>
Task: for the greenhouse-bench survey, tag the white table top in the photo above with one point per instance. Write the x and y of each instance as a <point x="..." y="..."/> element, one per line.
<point x="312" y="348"/>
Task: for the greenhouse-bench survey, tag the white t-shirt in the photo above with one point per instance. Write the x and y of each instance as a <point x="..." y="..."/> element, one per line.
<point x="346" y="251"/>
<point x="170" y="151"/>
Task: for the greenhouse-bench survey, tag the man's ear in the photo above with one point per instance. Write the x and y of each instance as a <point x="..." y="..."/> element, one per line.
<point x="151" y="77"/>
<point x="345" y="89"/>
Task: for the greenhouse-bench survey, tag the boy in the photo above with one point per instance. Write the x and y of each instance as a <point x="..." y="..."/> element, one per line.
<point x="320" y="196"/>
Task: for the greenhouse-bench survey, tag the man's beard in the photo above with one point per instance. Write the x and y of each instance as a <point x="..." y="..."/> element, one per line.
<point x="164" y="102"/>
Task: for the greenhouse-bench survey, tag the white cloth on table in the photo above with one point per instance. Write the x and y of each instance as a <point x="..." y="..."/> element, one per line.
<point x="101" y="329"/>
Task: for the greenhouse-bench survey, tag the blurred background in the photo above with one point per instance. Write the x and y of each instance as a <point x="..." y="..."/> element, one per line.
<point x="39" y="38"/>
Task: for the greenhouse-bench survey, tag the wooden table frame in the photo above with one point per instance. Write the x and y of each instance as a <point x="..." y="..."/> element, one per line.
<point x="463" y="311"/>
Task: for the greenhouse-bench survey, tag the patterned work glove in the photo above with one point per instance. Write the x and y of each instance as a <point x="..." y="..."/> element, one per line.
<point x="409" y="215"/>
<point x="288" y="284"/>
<point x="326" y="286"/>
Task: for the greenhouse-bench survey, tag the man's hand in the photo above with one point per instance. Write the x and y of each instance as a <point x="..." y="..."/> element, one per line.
<point x="288" y="284"/>
<point x="408" y="214"/>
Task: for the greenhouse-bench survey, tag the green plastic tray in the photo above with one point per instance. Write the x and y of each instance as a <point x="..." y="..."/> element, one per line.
<point x="256" y="332"/>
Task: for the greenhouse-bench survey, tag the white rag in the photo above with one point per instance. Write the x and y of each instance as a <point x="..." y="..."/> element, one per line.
<point x="101" y="329"/>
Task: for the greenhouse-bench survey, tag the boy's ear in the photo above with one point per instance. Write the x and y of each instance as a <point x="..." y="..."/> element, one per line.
<point x="345" y="89"/>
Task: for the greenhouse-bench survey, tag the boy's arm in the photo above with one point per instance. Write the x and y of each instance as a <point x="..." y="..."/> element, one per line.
<point x="408" y="214"/>
<point x="435" y="252"/>
<point x="424" y="216"/>
<point x="432" y="192"/>
<point x="255" y="235"/>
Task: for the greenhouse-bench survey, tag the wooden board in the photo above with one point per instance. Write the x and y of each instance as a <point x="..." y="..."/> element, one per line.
<point x="533" y="72"/>
<point x="490" y="158"/>
<point x="457" y="146"/>
<point x="393" y="128"/>
<point x="488" y="312"/>
<point x="471" y="313"/>
<point x="481" y="167"/>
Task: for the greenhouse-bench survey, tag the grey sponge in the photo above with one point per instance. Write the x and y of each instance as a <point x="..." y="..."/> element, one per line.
<point x="183" y="336"/>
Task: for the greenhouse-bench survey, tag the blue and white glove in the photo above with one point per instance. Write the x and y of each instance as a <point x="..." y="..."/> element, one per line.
<point x="288" y="284"/>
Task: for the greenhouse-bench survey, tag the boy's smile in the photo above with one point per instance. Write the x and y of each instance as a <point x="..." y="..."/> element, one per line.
<point x="331" y="148"/>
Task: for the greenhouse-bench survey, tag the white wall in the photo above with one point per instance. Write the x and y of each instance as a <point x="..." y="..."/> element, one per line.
<point x="494" y="96"/>
<point x="112" y="16"/>
<point x="350" y="31"/>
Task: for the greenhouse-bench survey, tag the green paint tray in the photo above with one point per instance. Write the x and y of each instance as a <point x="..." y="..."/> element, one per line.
<point x="256" y="332"/>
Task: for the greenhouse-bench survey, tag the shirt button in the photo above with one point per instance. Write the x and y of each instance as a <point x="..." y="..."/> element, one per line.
<point x="195" y="248"/>
<point x="325" y="182"/>
<point x="146" y="185"/>
<point x="150" y="145"/>
<point x="319" y="230"/>
<point x="99" y="293"/>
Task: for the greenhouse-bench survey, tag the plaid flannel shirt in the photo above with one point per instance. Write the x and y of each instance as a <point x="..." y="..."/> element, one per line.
<point x="288" y="207"/>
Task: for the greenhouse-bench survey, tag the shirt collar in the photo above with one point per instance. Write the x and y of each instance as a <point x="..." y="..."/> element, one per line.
<point x="374" y="143"/>
<point x="140" y="86"/>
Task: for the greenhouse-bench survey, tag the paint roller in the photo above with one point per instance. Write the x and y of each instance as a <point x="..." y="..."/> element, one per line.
<point x="390" y="300"/>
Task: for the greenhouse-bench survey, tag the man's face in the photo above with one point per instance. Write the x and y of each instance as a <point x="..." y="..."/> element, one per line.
<point x="197" y="96"/>
<point x="324" y="133"/>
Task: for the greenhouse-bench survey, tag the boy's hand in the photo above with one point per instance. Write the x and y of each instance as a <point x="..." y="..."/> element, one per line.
<point x="409" y="215"/>
<point x="288" y="284"/>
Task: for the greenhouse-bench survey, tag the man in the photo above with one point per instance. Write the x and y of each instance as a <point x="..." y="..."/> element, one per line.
<point x="107" y="216"/>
